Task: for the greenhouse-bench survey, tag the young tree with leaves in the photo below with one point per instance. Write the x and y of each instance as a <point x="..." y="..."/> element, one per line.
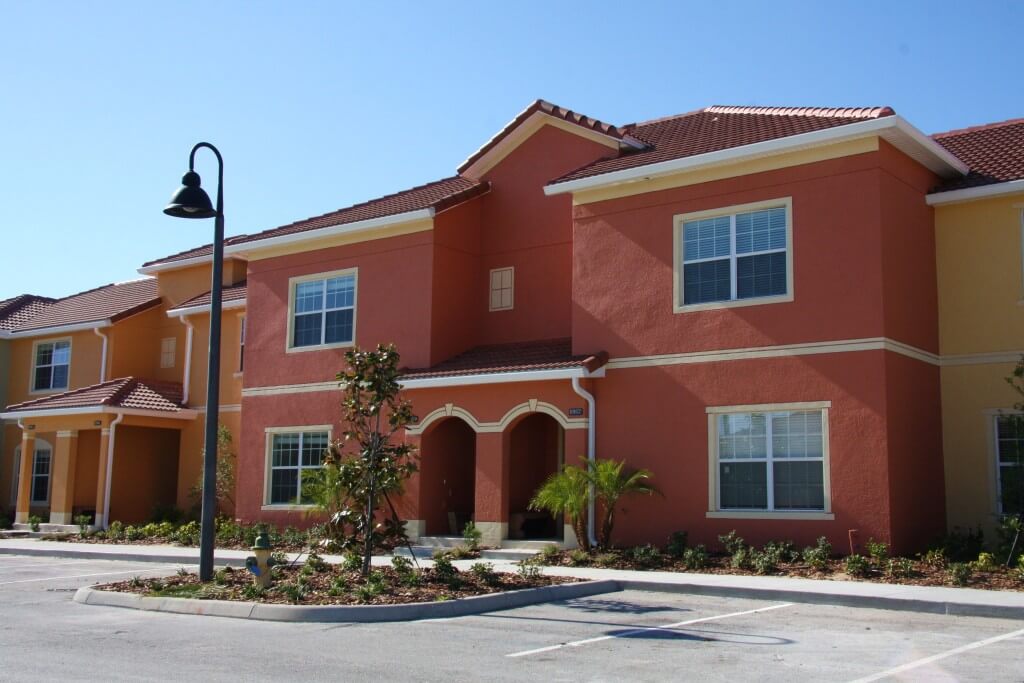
<point x="365" y="467"/>
<point x="566" y="493"/>
<point x="225" y="482"/>
<point x="610" y="484"/>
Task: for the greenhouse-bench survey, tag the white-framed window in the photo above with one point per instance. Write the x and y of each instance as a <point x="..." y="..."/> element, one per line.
<point x="291" y="452"/>
<point x="322" y="310"/>
<point x="51" y="366"/>
<point x="736" y="256"/>
<point x="168" y="347"/>
<point x="502" y="289"/>
<point x="769" y="459"/>
<point x="241" y="343"/>
<point x="41" y="465"/>
<point x="1009" y="441"/>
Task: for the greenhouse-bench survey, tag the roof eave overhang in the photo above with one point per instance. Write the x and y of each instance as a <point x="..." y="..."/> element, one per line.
<point x="183" y="414"/>
<point x="194" y="310"/>
<point x="971" y="193"/>
<point x="894" y="129"/>
<point x="244" y="248"/>
<point x="500" y="378"/>
<point x="57" y="329"/>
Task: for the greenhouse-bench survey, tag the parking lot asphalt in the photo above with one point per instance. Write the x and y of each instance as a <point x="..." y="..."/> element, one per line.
<point x="622" y="636"/>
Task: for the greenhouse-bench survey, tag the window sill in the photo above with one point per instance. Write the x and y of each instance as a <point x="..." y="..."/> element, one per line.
<point x="736" y="303"/>
<point x="768" y="514"/>
<point x="319" y="347"/>
<point x="44" y="392"/>
<point x="287" y="508"/>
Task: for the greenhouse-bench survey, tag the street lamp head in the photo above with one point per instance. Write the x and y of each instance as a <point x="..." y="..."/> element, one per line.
<point x="190" y="201"/>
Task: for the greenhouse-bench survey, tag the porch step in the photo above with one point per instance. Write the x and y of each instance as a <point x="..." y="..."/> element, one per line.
<point x="49" y="529"/>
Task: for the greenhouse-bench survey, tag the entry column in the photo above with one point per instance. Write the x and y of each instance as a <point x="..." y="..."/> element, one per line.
<point x="62" y="496"/>
<point x="28" y="451"/>
<point x="492" y="474"/>
<point x="101" y="478"/>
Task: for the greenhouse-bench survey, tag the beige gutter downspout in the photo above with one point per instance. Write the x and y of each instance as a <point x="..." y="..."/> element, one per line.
<point x="188" y="358"/>
<point x="103" y="358"/>
<point x="110" y="470"/>
<point x="591" y="452"/>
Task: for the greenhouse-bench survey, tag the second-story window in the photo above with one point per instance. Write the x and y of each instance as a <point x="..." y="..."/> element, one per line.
<point x="52" y="363"/>
<point x="323" y="310"/>
<point x="168" y="346"/>
<point x="502" y="288"/>
<point x="734" y="256"/>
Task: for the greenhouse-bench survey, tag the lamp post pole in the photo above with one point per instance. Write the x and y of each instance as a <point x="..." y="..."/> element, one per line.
<point x="192" y="202"/>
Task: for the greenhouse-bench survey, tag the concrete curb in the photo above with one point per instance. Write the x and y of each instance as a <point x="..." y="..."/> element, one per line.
<point x="185" y="560"/>
<point x="953" y="608"/>
<point x="347" y="613"/>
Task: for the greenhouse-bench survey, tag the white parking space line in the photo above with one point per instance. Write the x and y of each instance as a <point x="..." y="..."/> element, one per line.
<point x="942" y="655"/>
<point x="140" y="570"/>
<point x="646" y="629"/>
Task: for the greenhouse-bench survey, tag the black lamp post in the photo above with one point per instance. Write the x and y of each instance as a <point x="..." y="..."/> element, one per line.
<point x="191" y="201"/>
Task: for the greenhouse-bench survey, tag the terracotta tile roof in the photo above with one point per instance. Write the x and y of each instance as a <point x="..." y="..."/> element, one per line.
<point x="235" y="292"/>
<point x="110" y="302"/>
<point x="126" y="392"/>
<point x="993" y="152"/>
<point x="195" y="252"/>
<point x="552" y="110"/>
<point x="438" y="195"/>
<point x="551" y="354"/>
<point x="16" y="310"/>
<point x="721" y="127"/>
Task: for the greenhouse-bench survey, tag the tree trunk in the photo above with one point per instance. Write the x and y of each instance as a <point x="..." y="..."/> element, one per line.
<point x="579" y="528"/>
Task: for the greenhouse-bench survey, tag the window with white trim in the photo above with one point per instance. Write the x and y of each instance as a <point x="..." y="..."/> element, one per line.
<point x="292" y="455"/>
<point x="1010" y="462"/>
<point x="771" y="461"/>
<point x="52" y="363"/>
<point x="502" y="289"/>
<point x="323" y="311"/>
<point x="734" y="256"/>
<point x="168" y="346"/>
<point x="39" y="491"/>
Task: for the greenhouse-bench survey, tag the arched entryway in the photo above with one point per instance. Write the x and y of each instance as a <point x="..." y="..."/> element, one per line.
<point x="537" y="445"/>
<point x="447" y="477"/>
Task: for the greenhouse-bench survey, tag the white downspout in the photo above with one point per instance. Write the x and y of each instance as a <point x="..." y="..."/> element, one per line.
<point x="188" y="358"/>
<point x="103" y="357"/>
<point x="110" y="470"/>
<point x="591" y="452"/>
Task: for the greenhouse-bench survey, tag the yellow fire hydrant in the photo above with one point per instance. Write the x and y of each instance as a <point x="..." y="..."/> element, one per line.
<point x="261" y="563"/>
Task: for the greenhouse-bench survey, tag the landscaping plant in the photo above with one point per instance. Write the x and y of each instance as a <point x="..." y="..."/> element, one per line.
<point x="471" y="535"/>
<point x="224" y="483"/>
<point x="565" y="493"/>
<point x="34" y="521"/>
<point x="611" y="483"/>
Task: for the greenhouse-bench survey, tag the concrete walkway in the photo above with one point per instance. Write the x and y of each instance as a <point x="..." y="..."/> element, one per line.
<point x="942" y="600"/>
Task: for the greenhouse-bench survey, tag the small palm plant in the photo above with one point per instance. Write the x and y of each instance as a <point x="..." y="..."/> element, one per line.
<point x="566" y="493"/>
<point x="610" y="484"/>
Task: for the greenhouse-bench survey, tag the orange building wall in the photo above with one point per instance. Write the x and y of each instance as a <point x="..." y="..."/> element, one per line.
<point x="230" y="349"/>
<point x="86" y="469"/>
<point x="134" y="347"/>
<point x="86" y="350"/>
<point x="145" y="472"/>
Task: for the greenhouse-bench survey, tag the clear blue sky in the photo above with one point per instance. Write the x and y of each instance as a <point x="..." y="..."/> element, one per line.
<point x="319" y="105"/>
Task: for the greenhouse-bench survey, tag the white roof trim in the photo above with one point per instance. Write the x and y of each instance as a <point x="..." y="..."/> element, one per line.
<point x="894" y="129"/>
<point x="183" y="414"/>
<point x="329" y="231"/>
<point x="57" y="329"/>
<point x="981" y="192"/>
<point x="500" y="377"/>
<point x="205" y="308"/>
<point x="180" y="263"/>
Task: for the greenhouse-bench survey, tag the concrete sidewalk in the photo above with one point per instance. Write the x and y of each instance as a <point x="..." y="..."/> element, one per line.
<point x="940" y="600"/>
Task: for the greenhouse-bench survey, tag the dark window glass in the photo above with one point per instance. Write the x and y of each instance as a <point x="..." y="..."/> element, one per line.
<point x="706" y="281"/>
<point x="307" y="330"/>
<point x="799" y="486"/>
<point x="744" y="485"/>
<point x="762" y="275"/>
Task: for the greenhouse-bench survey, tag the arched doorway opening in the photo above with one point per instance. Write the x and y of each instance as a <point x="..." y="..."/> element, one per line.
<point x="537" y="447"/>
<point x="447" y="477"/>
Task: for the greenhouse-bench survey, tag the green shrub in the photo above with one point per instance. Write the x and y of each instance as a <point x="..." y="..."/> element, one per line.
<point x="460" y="553"/>
<point x="878" y="552"/>
<point x="279" y="558"/>
<point x="1006" y="532"/>
<point x="579" y="557"/>
<point x="471" y="535"/>
<point x="115" y="532"/>
<point x="677" y="543"/>
<point x="294" y="591"/>
<point x="252" y="591"/>
<point x="132" y="533"/>
<point x="34" y="521"/>
<point x="484" y="571"/>
<point x="935" y="558"/>
<point x="646" y="555"/>
<point x="549" y="553"/>
<point x="339" y="587"/>
<point x="135" y="582"/>
<point x="783" y="551"/>
<point x="962" y="546"/>
<point x="1019" y="571"/>
<point x="818" y="555"/>
<point x="528" y="570"/>
<point x="83" y="522"/>
<point x="959" y="573"/>
<point x="401" y="565"/>
<point x="857" y="565"/>
<point x="352" y="562"/>
<point x="695" y="558"/>
<point x="220" y="577"/>
<point x="609" y="559"/>
<point x="899" y="568"/>
<point x="444" y="570"/>
<point x="317" y="563"/>
<point x="765" y="561"/>
<point x="732" y="542"/>
<point x="294" y="537"/>
<point x="187" y="534"/>
<point x="986" y="562"/>
<point x="741" y="558"/>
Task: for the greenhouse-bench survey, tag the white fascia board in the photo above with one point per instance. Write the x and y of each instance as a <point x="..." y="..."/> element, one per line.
<point x="184" y="414"/>
<point x="174" y="265"/>
<point x="931" y="154"/>
<point x="500" y="378"/>
<point x="330" y="231"/>
<point x="192" y="310"/>
<point x="970" y="193"/>
<point x="59" y="329"/>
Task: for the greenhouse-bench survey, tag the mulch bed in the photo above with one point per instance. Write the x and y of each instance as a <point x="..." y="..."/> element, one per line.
<point x="331" y="584"/>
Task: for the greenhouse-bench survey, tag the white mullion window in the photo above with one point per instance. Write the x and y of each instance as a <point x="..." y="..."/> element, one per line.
<point x="771" y="461"/>
<point x="1009" y="439"/>
<point x="39" y="489"/>
<point x="733" y="256"/>
<point x="292" y="456"/>
<point x="323" y="311"/>
<point x="52" y="365"/>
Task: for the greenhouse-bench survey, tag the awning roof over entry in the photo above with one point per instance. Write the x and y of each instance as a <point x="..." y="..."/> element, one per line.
<point x="124" y="395"/>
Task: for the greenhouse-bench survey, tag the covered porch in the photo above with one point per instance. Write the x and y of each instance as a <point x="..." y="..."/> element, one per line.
<point x="109" y="451"/>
